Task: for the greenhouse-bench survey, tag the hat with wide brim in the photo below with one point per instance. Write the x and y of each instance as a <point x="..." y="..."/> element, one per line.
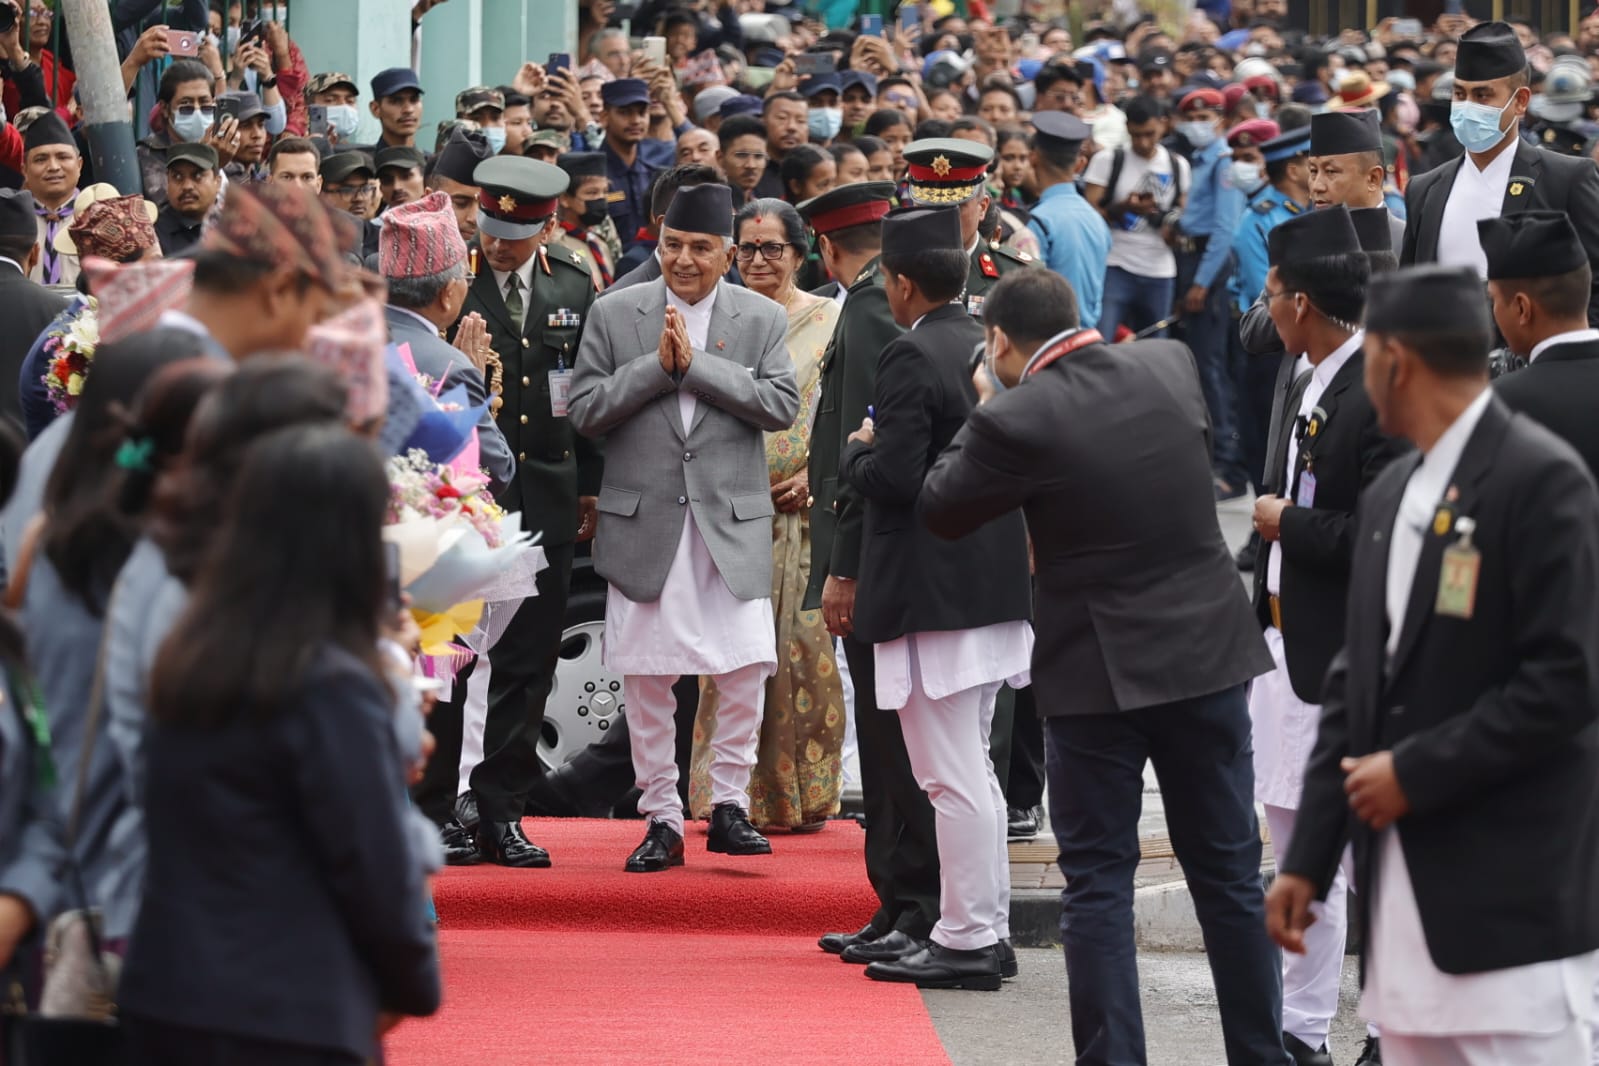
<point x="93" y="195"/>
<point x="1358" y="91"/>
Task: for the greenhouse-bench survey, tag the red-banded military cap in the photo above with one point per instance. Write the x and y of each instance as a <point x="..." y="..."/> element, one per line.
<point x="516" y="195"/>
<point x="1202" y="99"/>
<point x="943" y="170"/>
<point x="1252" y="134"/>
<point x="848" y="205"/>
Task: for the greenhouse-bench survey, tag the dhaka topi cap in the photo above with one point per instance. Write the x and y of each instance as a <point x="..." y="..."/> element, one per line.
<point x="580" y="165"/>
<point x="1287" y="145"/>
<point x="516" y="195"/>
<point x="1373" y="229"/>
<point x="48" y="129"/>
<point x="420" y="239"/>
<point x="201" y="155"/>
<point x="1312" y="235"/>
<point x="1428" y="299"/>
<point x="400" y="158"/>
<point x="1345" y="133"/>
<point x="624" y="92"/>
<point x="114" y="227"/>
<point x="1252" y="134"/>
<point x="461" y="156"/>
<point x="920" y="229"/>
<point x="943" y="170"/>
<point x="1531" y="244"/>
<point x="1488" y="51"/>
<point x="17" y="216"/>
<point x="844" y="206"/>
<point x="352" y="344"/>
<point x="270" y="222"/>
<point x="702" y="209"/>
<point x="132" y="298"/>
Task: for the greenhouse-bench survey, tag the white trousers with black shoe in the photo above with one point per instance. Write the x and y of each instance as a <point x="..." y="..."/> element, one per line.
<point x="651" y="708"/>
<point x="1312" y="981"/>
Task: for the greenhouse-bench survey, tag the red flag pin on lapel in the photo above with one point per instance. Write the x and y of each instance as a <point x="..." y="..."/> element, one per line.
<point x="720" y="345"/>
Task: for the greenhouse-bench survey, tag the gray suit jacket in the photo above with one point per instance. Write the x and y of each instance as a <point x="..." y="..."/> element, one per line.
<point x="653" y="470"/>
<point x="442" y="361"/>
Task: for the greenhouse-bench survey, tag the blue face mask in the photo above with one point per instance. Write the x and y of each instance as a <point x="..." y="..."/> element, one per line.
<point x="1476" y="126"/>
<point x="1198" y="134"/>
<point x="277" y="118"/>
<point x="191" y="127"/>
<point x="343" y="118"/>
<point x="495" y="135"/>
<point x="824" y="122"/>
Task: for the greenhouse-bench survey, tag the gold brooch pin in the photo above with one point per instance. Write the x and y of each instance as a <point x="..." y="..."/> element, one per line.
<point x="1441" y="522"/>
<point x="1517" y="188"/>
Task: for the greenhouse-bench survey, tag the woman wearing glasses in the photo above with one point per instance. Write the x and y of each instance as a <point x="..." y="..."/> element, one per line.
<point x="797" y="775"/>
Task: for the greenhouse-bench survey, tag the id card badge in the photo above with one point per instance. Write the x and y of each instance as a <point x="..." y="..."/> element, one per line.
<point x="560" y="391"/>
<point x="1457" y="581"/>
<point x="1306" y="496"/>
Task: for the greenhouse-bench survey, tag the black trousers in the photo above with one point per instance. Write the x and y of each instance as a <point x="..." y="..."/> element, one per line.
<point x="901" y="841"/>
<point x="1024" y="785"/>
<point x="151" y="1043"/>
<point x="523" y="664"/>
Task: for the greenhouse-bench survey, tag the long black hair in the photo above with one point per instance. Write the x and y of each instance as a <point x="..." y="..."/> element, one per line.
<point x="264" y="395"/>
<point x="296" y="566"/>
<point x="797" y="167"/>
<point x="89" y="536"/>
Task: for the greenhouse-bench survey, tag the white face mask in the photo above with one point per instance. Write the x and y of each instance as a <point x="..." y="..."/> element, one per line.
<point x="1244" y="176"/>
<point x="343" y="119"/>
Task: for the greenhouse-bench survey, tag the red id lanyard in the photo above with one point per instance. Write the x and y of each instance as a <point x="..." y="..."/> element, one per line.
<point x="1080" y="339"/>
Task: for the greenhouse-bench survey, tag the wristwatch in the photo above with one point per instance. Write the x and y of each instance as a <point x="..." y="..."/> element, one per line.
<point x="268" y="83"/>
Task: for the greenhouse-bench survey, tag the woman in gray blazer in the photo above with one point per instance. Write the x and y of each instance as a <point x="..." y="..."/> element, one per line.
<point x="283" y="914"/>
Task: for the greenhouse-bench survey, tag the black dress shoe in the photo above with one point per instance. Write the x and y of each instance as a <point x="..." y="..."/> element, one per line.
<point x="1370" y="1053"/>
<point x="1305" y="1055"/>
<point x="895" y="945"/>
<point x="835" y="943"/>
<point x="1008" y="966"/>
<point x="466" y="811"/>
<point x="732" y="834"/>
<point x="662" y="847"/>
<point x="936" y="966"/>
<point x="1023" y="822"/>
<point x="505" y="843"/>
<point x="460" y="849"/>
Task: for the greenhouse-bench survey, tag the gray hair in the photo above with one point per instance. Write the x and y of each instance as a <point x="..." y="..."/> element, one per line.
<point x="416" y="293"/>
<point x="602" y="36"/>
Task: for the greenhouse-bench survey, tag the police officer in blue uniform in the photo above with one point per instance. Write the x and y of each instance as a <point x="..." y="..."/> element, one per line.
<point x="1283" y="193"/>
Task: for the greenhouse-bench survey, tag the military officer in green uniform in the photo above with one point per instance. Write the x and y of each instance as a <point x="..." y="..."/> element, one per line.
<point x="942" y="171"/>
<point x="901" y="844"/>
<point x="534" y="296"/>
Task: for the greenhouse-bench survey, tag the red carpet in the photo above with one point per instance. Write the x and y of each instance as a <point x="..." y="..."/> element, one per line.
<point x="713" y="963"/>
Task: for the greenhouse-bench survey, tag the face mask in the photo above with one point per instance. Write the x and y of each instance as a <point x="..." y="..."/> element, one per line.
<point x="191" y="127"/>
<point x="825" y="122"/>
<point x="594" y="211"/>
<point x="1244" y="176"/>
<point x="495" y="135"/>
<point x="989" y="356"/>
<point x="277" y="118"/>
<point x="1336" y="78"/>
<point x="1198" y="134"/>
<point x="233" y="38"/>
<point x="343" y="118"/>
<point x="1476" y="126"/>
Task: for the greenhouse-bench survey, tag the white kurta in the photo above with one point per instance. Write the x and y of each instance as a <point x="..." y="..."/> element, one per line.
<point x="1405" y="992"/>
<point x="697" y="626"/>
<point x="953" y="661"/>
<point x="1475" y="195"/>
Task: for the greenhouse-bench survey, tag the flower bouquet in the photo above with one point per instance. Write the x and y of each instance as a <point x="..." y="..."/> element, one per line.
<point x="69" y="352"/>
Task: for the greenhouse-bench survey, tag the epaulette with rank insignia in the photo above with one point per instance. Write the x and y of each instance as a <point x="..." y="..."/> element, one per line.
<point x="1012" y="254"/>
<point x="1265" y="205"/>
<point x="560" y="253"/>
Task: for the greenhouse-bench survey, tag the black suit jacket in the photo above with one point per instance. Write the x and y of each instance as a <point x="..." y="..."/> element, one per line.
<point x="1557" y="390"/>
<point x="29" y="308"/>
<point x="448" y="365"/>
<point x="554" y="465"/>
<point x="1493" y="721"/>
<point x="910" y="580"/>
<point x="1347" y="452"/>
<point x="1539" y="180"/>
<point x="327" y="915"/>
<point x="647" y="271"/>
<point x="1107" y="453"/>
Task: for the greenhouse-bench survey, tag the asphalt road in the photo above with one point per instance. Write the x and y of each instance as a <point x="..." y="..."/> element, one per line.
<point x="1028" y="1023"/>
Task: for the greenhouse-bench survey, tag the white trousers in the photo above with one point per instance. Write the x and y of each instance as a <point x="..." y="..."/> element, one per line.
<point x="851" y="755"/>
<point x="1571" y="1046"/>
<point x="947" y="741"/>
<point x="475" y="707"/>
<point x="651" y="708"/>
<point x="1311" y="981"/>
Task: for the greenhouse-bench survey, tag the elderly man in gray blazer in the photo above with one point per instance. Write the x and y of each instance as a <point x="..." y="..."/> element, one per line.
<point x="681" y="376"/>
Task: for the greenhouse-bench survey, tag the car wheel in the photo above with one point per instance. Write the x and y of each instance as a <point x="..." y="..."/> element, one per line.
<point x="586" y="699"/>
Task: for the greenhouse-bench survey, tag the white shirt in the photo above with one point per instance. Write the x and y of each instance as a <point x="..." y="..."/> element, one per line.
<point x="1475" y="195"/>
<point x="1405" y="992"/>
<point x="1137" y="246"/>
<point x="1320" y="377"/>
<point x="697" y="319"/>
<point x="1576" y="336"/>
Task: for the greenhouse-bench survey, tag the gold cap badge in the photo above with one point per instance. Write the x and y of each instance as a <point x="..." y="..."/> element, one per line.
<point x="941" y="165"/>
<point x="507" y="204"/>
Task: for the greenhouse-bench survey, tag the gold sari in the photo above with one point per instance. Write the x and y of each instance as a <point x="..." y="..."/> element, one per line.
<point x="798" y="768"/>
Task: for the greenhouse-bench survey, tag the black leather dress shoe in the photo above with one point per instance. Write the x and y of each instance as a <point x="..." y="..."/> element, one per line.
<point x="1305" y="1055"/>
<point x="662" y="848"/>
<point x="1370" y="1052"/>
<point x="835" y="943"/>
<point x="1023" y="822"/>
<point x="939" y="967"/>
<point x="1008" y="966"/>
<point x="732" y="834"/>
<point x="460" y="849"/>
<point x="895" y="945"/>
<point x="505" y="843"/>
<point x="466" y="811"/>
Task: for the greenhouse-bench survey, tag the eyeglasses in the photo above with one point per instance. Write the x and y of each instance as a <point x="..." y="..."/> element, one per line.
<point x="770" y="250"/>
<point x="1270" y="296"/>
<point x="352" y="192"/>
<point x="205" y="109"/>
<point x="749" y="157"/>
